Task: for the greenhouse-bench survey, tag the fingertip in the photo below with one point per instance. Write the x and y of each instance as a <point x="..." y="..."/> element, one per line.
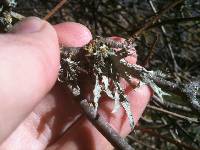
<point x="73" y="34"/>
<point x="28" y="25"/>
<point x="40" y="34"/>
<point x="29" y="63"/>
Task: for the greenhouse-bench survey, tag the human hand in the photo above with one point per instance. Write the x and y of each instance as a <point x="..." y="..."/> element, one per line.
<point x="35" y="112"/>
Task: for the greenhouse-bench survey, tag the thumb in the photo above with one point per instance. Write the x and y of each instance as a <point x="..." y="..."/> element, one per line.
<point x="29" y="62"/>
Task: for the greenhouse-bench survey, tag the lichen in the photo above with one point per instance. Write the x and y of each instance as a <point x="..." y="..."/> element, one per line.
<point x="106" y="67"/>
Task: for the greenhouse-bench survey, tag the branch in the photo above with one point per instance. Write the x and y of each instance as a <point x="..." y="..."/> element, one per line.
<point x="178" y="143"/>
<point x="169" y="46"/>
<point x="173" y="114"/>
<point x="150" y="54"/>
<point x="188" y="91"/>
<point x="55" y="9"/>
<point x="154" y="19"/>
<point x="141" y="142"/>
<point x="103" y="127"/>
<point x="175" y="21"/>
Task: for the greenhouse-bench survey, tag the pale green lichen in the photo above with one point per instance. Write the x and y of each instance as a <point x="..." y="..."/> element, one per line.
<point x="97" y="93"/>
<point x="117" y="102"/>
<point x="125" y="104"/>
<point x="107" y="67"/>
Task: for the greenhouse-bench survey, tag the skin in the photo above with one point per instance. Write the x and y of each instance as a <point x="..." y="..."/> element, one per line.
<point x="35" y="111"/>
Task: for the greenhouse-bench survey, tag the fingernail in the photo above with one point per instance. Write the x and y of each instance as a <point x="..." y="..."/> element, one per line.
<point x="28" y="25"/>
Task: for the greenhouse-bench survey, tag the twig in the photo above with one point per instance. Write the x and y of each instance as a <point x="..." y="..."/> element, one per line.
<point x="188" y="91"/>
<point x="56" y="8"/>
<point x="141" y="142"/>
<point x="150" y="54"/>
<point x="175" y="21"/>
<point x="176" y="67"/>
<point x="192" y="139"/>
<point x="104" y="128"/>
<point x="154" y="19"/>
<point x="173" y="114"/>
<point x="181" y="144"/>
<point x="172" y="105"/>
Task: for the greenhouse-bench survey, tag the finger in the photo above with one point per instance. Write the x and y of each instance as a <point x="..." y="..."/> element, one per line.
<point x="29" y="62"/>
<point x="55" y="112"/>
<point x="77" y="35"/>
<point x="84" y="135"/>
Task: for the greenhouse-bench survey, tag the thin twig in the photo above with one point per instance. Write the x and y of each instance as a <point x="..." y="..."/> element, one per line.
<point x="189" y="136"/>
<point x="180" y="144"/>
<point x="155" y="18"/>
<point x="55" y="9"/>
<point x="169" y="46"/>
<point x="172" y="105"/>
<point x="104" y="128"/>
<point x="187" y="91"/>
<point x="175" y="21"/>
<point x="173" y="114"/>
<point x="150" y="54"/>
<point x="142" y="143"/>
